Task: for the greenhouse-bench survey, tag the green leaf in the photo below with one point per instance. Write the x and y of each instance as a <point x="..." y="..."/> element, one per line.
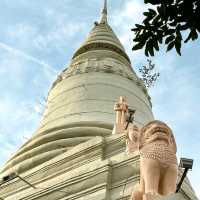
<point x="138" y="46"/>
<point x="146" y="14"/>
<point x="155" y="44"/>
<point x="170" y="31"/>
<point x="151" y="51"/>
<point x="198" y="28"/>
<point x="170" y="46"/>
<point x="149" y="47"/>
<point x="146" y="52"/>
<point x="189" y="37"/>
<point x="156" y="19"/>
<point x="137" y="39"/>
<point x="173" y="23"/>
<point x="169" y="39"/>
<point x="139" y="26"/>
<point x="154" y="2"/>
<point x="179" y="36"/>
<point x="193" y="35"/>
<point x="153" y="12"/>
<point x="178" y="47"/>
<point x="160" y="38"/>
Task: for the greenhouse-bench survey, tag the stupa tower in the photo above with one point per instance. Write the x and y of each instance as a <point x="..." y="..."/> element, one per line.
<point x="73" y="154"/>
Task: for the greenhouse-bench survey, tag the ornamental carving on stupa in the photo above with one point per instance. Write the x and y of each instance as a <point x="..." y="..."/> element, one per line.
<point x="155" y="143"/>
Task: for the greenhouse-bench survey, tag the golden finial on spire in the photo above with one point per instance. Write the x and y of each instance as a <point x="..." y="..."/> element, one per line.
<point x="104" y="13"/>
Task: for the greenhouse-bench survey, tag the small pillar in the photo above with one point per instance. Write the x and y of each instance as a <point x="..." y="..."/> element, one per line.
<point x="121" y="109"/>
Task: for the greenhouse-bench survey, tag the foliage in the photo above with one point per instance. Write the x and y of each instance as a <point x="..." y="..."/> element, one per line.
<point x="149" y="77"/>
<point x="166" y="23"/>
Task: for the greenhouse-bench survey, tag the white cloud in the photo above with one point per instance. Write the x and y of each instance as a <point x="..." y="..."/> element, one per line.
<point x="19" y="73"/>
<point x="57" y="35"/>
<point x="17" y="123"/>
<point x="27" y="56"/>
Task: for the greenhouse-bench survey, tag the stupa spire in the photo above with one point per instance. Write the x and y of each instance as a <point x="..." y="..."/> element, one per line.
<point x="104" y="13"/>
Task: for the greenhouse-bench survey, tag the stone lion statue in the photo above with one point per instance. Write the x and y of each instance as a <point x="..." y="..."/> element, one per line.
<point x="158" y="162"/>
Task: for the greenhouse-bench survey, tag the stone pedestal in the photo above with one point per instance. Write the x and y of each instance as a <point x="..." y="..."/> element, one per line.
<point x="169" y="197"/>
<point x="151" y="197"/>
<point x="172" y="197"/>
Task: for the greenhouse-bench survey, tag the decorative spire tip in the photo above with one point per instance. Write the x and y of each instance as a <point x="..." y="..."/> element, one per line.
<point x="104" y="13"/>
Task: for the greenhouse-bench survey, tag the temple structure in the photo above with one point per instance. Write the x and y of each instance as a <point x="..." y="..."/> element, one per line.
<point x="73" y="155"/>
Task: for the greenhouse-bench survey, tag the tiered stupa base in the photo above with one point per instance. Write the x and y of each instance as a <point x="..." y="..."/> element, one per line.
<point x="98" y="169"/>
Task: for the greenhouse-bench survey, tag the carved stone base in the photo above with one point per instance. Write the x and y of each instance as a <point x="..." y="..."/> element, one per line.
<point x="136" y="195"/>
<point x="150" y="197"/>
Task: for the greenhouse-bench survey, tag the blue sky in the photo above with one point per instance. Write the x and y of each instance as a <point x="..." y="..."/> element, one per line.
<point x="37" y="40"/>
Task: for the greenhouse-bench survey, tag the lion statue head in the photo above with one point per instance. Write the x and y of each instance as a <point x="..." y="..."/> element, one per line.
<point x="157" y="131"/>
